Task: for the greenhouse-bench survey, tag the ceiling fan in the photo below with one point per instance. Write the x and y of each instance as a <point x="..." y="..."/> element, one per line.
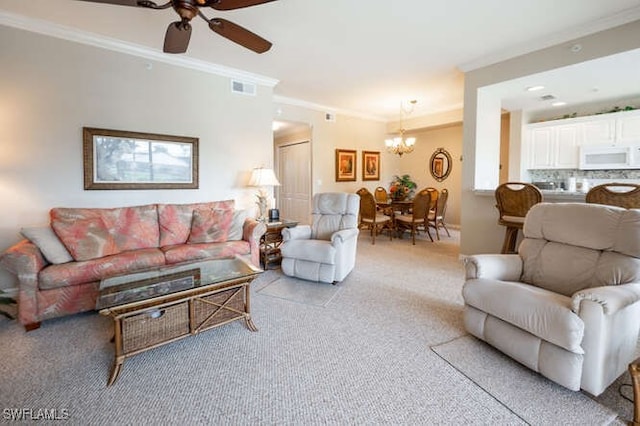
<point x="178" y="33"/>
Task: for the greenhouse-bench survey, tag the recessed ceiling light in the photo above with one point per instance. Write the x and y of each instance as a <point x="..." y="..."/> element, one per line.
<point x="559" y="103"/>
<point x="534" y="88"/>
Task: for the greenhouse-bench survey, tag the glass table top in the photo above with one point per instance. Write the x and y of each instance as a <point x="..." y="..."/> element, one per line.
<point x="160" y="281"/>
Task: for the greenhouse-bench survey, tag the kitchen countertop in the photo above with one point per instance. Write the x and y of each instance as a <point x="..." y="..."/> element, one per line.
<point x="547" y="195"/>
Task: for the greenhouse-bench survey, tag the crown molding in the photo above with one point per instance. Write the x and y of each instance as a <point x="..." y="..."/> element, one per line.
<point x="618" y="19"/>
<point x="324" y="108"/>
<point x="71" y="34"/>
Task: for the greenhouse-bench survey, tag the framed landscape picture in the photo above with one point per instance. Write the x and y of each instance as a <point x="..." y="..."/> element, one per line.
<point x="117" y="159"/>
<point x="370" y="165"/>
<point x="345" y="165"/>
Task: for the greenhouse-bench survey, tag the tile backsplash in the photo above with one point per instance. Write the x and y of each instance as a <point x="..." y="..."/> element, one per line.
<point x="596" y="176"/>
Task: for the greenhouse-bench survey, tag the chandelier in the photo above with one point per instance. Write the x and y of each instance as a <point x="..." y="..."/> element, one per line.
<point x="399" y="144"/>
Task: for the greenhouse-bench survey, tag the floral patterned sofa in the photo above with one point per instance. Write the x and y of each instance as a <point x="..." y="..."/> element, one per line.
<point x="59" y="267"/>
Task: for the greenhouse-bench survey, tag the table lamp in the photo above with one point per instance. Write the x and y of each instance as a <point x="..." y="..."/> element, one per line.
<point x="262" y="177"/>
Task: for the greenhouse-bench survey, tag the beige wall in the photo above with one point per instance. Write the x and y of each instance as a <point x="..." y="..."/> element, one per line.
<point x="481" y="234"/>
<point x="51" y="88"/>
<point x="345" y="133"/>
<point x="369" y="135"/>
<point x="416" y="164"/>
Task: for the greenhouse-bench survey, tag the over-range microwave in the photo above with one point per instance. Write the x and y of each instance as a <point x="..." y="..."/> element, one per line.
<point x="604" y="157"/>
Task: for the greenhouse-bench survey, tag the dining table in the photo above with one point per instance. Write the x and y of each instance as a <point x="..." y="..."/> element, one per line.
<point x="391" y="206"/>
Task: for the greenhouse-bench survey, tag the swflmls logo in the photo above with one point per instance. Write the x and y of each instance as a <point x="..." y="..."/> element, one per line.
<point x="17" y="414"/>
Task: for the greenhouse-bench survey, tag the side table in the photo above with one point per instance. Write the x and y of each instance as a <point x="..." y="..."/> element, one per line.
<point x="271" y="240"/>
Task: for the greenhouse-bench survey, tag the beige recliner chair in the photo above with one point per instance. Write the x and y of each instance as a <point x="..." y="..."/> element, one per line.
<point x="326" y="250"/>
<point x="566" y="305"/>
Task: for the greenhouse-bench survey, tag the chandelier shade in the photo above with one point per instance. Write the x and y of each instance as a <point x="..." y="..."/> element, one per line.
<point x="400" y="144"/>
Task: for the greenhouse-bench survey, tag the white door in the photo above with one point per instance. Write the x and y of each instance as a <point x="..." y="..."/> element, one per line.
<point x="294" y="171"/>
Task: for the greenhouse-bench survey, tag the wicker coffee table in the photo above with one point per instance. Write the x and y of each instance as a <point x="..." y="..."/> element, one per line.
<point x="162" y="305"/>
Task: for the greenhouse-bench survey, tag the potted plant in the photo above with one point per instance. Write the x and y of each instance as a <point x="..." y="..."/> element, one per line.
<point x="402" y="187"/>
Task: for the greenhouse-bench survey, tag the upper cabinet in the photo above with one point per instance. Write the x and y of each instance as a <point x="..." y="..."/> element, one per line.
<point x="555" y="144"/>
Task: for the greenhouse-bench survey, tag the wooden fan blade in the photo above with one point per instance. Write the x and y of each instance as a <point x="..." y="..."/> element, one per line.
<point x="118" y="2"/>
<point x="177" y="38"/>
<point x="236" y="4"/>
<point x="239" y="35"/>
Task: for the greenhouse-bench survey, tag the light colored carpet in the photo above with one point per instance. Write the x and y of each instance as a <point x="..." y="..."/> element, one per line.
<point x="301" y="291"/>
<point x="530" y="396"/>
<point x="362" y="359"/>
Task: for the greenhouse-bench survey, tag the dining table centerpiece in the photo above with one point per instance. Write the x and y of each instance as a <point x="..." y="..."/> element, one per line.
<point x="402" y="187"/>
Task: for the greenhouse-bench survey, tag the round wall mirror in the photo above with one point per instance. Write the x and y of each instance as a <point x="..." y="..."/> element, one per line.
<point x="440" y="164"/>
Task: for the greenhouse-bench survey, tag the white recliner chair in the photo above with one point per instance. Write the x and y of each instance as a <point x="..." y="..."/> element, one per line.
<point x="567" y="305"/>
<point x="326" y="250"/>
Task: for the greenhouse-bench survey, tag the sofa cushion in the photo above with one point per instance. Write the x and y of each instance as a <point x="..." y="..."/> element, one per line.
<point x="542" y="313"/>
<point x="92" y="233"/>
<point x="49" y="244"/>
<point x="86" y="238"/>
<point x="210" y="225"/>
<point x="189" y="252"/>
<point x="175" y="219"/>
<point x="74" y="273"/>
<point x="237" y="225"/>
<point x="572" y="246"/>
<point x="592" y="226"/>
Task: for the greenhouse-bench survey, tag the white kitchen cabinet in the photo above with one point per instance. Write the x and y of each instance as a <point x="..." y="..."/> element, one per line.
<point x="554" y="147"/>
<point x="567" y="140"/>
<point x="541" y="148"/>
<point x="556" y="144"/>
<point x="628" y="127"/>
<point x="598" y="131"/>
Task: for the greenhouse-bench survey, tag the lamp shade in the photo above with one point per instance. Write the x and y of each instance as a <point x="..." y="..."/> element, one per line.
<point x="263" y="177"/>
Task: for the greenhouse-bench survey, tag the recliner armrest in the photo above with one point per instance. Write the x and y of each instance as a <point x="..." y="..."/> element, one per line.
<point x="504" y="267"/>
<point x="343" y="235"/>
<point x="300" y="232"/>
<point x="612" y="298"/>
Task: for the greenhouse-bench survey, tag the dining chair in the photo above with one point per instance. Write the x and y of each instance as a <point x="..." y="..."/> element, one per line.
<point x="513" y="201"/>
<point x="371" y="218"/>
<point x="625" y="195"/>
<point x="381" y="195"/>
<point x="421" y="205"/>
<point x="436" y="216"/>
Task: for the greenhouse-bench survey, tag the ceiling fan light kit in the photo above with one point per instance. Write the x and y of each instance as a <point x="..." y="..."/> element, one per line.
<point x="178" y="33"/>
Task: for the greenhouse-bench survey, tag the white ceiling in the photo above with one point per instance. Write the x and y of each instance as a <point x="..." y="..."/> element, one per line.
<point x="367" y="56"/>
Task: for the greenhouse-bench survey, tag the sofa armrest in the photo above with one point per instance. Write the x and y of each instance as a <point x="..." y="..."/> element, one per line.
<point x="300" y="232"/>
<point x="504" y="267"/>
<point x="24" y="259"/>
<point x="612" y="298"/>
<point x="252" y="231"/>
<point x="339" y="237"/>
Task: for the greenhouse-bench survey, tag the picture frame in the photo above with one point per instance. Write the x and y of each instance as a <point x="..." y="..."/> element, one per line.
<point x="440" y="164"/>
<point x="370" y="165"/>
<point x="345" y="165"/>
<point x="118" y="159"/>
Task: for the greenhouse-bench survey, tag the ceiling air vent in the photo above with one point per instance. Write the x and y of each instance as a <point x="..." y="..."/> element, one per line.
<point x="243" y="88"/>
<point x="329" y="116"/>
<point x="547" y="97"/>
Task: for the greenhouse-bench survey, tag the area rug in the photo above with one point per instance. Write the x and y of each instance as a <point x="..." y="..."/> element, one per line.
<point x="301" y="291"/>
<point x="533" y="398"/>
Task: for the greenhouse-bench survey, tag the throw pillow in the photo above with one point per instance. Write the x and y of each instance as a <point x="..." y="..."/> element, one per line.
<point x="210" y="225"/>
<point x="87" y="238"/>
<point x="49" y="244"/>
<point x="237" y="225"/>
